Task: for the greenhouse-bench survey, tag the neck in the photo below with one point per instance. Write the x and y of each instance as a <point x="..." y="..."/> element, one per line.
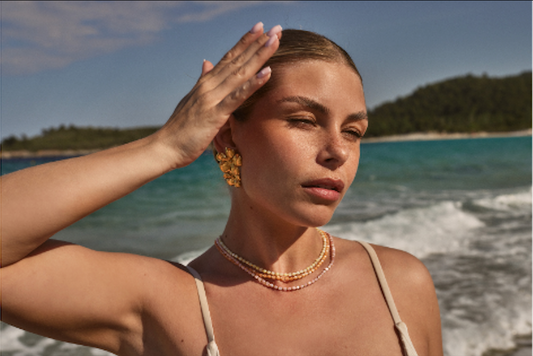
<point x="270" y="242"/>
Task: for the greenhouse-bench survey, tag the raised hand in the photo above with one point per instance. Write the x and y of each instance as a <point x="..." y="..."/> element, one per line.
<point x="220" y="90"/>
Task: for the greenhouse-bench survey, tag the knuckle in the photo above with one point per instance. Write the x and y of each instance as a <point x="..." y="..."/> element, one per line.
<point x="244" y="41"/>
<point x="238" y="61"/>
<point x="240" y="72"/>
<point x="237" y="96"/>
<point x="233" y="54"/>
<point x="263" y="51"/>
<point x="229" y="56"/>
<point x="241" y="93"/>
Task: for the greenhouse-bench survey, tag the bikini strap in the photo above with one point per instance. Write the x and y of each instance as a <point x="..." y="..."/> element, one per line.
<point x="212" y="348"/>
<point x="401" y="327"/>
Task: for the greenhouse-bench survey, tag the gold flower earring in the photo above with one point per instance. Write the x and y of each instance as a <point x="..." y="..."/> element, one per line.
<point x="230" y="163"/>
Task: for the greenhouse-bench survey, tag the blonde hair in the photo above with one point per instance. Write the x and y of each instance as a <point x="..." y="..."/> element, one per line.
<point x="296" y="46"/>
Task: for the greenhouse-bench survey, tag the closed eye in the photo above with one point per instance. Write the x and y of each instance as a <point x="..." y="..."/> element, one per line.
<point x="354" y="134"/>
<point x="301" y="121"/>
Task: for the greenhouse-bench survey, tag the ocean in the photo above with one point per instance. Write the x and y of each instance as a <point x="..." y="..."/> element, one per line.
<point x="462" y="206"/>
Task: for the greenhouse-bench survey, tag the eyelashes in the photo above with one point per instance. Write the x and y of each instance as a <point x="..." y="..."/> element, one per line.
<point x="302" y="121"/>
<point x="354" y="133"/>
<point x="309" y="123"/>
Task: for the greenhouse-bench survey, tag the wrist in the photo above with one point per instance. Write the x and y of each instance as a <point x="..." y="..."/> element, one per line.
<point x="164" y="152"/>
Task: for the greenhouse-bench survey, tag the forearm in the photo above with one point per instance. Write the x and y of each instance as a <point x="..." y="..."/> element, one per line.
<point x="39" y="201"/>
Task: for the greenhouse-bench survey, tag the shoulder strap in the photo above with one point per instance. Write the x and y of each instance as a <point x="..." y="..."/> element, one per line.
<point x="212" y="348"/>
<point x="401" y="327"/>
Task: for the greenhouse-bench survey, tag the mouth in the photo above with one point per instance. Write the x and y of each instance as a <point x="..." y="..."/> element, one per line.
<point x="325" y="190"/>
<point x="326" y="183"/>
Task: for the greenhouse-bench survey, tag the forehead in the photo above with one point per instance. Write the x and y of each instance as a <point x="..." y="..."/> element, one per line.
<point x="331" y="84"/>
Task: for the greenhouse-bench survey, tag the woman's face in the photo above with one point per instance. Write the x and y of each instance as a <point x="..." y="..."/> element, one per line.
<point x="300" y="144"/>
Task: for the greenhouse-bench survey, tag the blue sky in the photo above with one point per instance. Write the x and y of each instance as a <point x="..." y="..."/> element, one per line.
<point x="127" y="64"/>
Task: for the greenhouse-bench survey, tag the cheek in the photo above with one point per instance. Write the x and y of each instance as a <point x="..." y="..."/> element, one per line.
<point x="275" y="159"/>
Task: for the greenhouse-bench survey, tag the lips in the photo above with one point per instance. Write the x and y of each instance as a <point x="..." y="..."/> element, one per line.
<point x="326" y="189"/>
<point x="326" y="183"/>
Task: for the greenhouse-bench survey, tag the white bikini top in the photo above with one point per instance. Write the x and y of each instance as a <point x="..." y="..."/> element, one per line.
<point x="407" y="344"/>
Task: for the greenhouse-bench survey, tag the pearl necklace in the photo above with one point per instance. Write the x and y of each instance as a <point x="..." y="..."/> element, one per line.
<point x="284" y="277"/>
<point x="267" y="284"/>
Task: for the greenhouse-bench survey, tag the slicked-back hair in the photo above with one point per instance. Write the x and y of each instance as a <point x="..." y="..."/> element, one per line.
<point x="297" y="46"/>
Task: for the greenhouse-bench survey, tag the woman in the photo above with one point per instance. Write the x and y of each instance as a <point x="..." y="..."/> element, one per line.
<point x="290" y="151"/>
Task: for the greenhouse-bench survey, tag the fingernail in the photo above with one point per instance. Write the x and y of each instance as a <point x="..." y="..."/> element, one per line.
<point x="264" y="72"/>
<point x="257" y="27"/>
<point x="274" y="31"/>
<point x="271" y="40"/>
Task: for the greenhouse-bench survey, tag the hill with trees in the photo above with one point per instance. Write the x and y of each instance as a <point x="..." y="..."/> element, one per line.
<point x="76" y="138"/>
<point x="464" y="104"/>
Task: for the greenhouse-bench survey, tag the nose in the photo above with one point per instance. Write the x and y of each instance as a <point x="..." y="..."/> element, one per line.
<point x="335" y="151"/>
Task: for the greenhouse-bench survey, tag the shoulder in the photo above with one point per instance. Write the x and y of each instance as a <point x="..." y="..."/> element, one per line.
<point x="396" y="264"/>
<point x="415" y="297"/>
<point x="408" y="278"/>
<point x="403" y="268"/>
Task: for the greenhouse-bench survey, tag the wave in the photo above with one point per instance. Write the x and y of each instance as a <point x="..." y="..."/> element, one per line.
<point x="467" y="333"/>
<point x="439" y="228"/>
<point x="518" y="202"/>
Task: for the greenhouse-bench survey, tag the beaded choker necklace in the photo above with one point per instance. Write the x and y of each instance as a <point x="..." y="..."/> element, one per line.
<point x="284" y="277"/>
<point x="260" y="274"/>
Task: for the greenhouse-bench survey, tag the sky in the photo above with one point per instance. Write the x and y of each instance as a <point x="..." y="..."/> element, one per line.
<point x="128" y="64"/>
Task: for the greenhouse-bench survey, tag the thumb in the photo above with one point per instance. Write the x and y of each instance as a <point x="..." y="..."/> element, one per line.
<point x="206" y="67"/>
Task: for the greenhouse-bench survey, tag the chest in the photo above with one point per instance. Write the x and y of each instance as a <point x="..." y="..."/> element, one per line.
<point x="250" y="320"/>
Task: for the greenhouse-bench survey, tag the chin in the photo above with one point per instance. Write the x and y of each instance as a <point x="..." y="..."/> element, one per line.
<point x="319" y="216"/>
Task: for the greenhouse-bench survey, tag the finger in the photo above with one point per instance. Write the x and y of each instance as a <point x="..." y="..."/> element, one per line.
<point x="206" y="67"/>
<point x="243" y="67"/>
<point x="276" y="30"/>
<point x="243" y="43"/>
<point x="239" y="75"/>
<point x="232" y="101"/>
<point x="265" y="40"/>
<point x="249" y="39"/>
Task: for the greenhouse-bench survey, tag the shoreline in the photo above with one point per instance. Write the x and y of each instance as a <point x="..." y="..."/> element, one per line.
<point x="420" y="136"/>
<point x="436" y="136"/>
<point x="45" y="153"/>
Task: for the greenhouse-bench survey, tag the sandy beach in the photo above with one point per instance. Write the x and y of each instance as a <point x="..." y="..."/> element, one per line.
<point x="428" y="136"/>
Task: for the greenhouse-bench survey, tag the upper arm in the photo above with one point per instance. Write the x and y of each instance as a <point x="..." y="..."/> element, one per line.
<point x="74" y="294"/>
<point x="415" y="298"/>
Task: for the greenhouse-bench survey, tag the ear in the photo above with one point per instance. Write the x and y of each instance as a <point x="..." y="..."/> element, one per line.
<point x="224" y="137"/>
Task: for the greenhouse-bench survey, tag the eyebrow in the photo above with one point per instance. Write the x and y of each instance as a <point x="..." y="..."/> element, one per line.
<point x="314" y="105"/>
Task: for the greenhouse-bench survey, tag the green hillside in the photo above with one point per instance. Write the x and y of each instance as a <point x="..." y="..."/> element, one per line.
<point x="76" y="138"/>
<point x="463" y="104"/>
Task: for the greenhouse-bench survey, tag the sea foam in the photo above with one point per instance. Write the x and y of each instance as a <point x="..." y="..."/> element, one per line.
<point x="438" y="228"/>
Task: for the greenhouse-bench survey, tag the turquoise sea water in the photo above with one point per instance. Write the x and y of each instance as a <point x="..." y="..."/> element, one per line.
<point x="462" y="206"/>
